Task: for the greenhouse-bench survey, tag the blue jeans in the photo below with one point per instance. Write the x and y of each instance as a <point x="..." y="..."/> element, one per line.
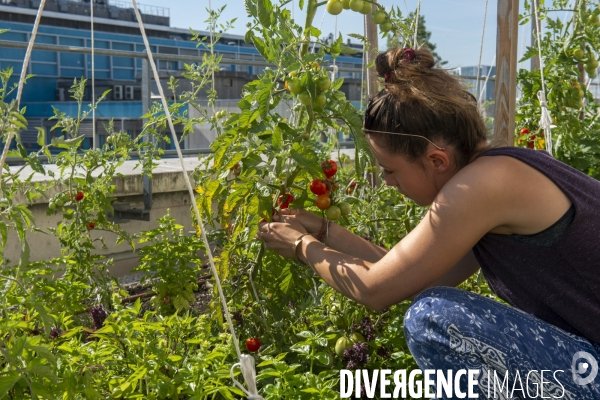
<point x="451" y="329"/>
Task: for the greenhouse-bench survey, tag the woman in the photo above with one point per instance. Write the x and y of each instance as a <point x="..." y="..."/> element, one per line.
<point x="530" y="222"/>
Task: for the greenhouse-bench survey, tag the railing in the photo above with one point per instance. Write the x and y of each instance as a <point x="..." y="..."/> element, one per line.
<point x="134" y="155"/>
<point x="144" y="8"/>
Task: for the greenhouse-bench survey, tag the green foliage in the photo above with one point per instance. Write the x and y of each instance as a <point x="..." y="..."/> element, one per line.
<point x="405" y="37"/>
<point x="48" y="345"/>
<point x="172" y="261"/>
<point x="575" y="112"/>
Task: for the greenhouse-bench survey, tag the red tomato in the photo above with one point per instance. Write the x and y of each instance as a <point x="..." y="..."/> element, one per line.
<point x="323" y="201"/>
<point x="285" y="199"/>
<point x="531" y="143"/>
<point x="79" y="196"/>
<point x="252" y="344"/>
<point x="524" y="131"/>
<point x="91" y="225"/>
<point x="329" y="168"/>
<point x="318" y="187"/>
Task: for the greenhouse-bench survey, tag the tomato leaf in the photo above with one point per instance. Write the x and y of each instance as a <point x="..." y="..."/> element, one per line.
<point x="265" y="9"/>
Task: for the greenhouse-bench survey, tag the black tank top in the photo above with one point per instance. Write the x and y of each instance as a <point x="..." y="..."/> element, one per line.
<point x="555" y="274"/>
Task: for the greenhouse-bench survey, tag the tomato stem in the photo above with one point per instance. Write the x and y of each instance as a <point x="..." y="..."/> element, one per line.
<point x="311" y="11"/>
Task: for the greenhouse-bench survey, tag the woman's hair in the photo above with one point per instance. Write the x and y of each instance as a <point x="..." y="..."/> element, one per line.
<point x="419" y="99"/>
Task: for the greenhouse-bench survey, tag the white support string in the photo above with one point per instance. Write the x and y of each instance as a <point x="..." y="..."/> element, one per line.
<point x="212" y="52"/>
<point x="94" y="138"/>
<point x="418" y="12"/>
<point x="546" y="118"/>
<point x="481" y="54"/>
<point x="484" y="86"/>
<point x="24" y="69"/>
<point x="246" y="361"/>
<point x="320" y="27"/>
<point x="334" y="68"/>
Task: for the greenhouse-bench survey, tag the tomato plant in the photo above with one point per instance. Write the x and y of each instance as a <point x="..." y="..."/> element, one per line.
<point x="569" y="50"/>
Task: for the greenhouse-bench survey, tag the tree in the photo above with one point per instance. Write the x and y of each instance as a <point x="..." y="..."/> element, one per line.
<point x="423" y="36"/>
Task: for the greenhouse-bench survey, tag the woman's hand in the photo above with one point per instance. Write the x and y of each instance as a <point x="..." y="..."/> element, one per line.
<point x="311" y="223"/>
<point x="281" y="236"/>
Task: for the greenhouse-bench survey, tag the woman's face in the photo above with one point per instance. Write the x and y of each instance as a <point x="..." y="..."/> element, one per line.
<point x="420" y="181"/>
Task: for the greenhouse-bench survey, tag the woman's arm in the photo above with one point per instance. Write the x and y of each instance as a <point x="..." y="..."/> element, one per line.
<point x="338" y="237"/>
<point x="471" y="204"/>
<point x="344" y="241"/>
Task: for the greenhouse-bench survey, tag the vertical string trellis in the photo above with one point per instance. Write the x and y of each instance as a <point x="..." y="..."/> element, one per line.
<point x="481" y="54"/>
<point x="24" y="69"/>
<point x="545" y="118"/>
<point x="94" y="137"/>
<point x="246" y="363"/>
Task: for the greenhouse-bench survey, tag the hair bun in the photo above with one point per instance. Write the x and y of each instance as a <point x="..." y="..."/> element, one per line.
<point x="394" y="62"/>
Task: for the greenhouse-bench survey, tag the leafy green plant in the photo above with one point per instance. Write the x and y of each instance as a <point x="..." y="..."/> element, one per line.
<point x="568" y="49"/>
<point x="172" y="261"/>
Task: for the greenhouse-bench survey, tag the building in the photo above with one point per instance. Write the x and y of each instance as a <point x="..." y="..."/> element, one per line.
<point x="68" y="23"/>
<point x="469" y="75"/>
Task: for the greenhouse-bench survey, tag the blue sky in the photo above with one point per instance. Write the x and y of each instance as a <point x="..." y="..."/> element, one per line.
<point x="456" y="25"/>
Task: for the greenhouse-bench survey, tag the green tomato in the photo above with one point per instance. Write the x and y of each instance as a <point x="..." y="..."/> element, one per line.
<point x="320" y="100"/>
<point x="578" y="54"/>
<point x="334" y="7"/>
<point x="304" y="98"/>
<point x="323" y="83"/>
<point x="333" y="213"/>
<point x="60" y="202"/>
<point x="344" y="208"/>
<point x="592" y="64"/>
<point x="51" y="205"/>
<point x="346" y="4"/>
<point x="356" y="5"/>
<point x="357" y="337"/>
<point x="378" y="17"/>
<point x="386" y="26"/>
<point x="295" y="86"/>
<point x="109" y="139"/>
<point x="338" y="320"/>
<point x="367" y="7"/>
<point x="341" y="345"/>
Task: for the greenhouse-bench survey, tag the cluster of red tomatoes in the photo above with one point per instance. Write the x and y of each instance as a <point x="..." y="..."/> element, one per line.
<point x="379" y="16"/>
<point x="529" y="139"/>
<point x="324" y="190"/>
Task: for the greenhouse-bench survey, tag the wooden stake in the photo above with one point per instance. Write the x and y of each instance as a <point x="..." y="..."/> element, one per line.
<point x="506" y="71"/>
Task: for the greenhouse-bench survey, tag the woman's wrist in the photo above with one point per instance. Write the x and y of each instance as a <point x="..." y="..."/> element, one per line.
<point x="302" y="248"/>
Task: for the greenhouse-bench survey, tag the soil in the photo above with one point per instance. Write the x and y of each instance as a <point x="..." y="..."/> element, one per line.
<point x="144" y="292"/>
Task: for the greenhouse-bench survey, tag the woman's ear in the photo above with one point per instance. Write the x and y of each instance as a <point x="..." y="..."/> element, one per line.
<point x="438" y="160"/>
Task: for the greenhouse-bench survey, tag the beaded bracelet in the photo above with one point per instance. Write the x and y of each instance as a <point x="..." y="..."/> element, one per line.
<point x="324" y="232"/>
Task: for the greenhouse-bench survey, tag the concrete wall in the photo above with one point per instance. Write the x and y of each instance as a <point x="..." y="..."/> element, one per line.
<point x="169" y="193"/>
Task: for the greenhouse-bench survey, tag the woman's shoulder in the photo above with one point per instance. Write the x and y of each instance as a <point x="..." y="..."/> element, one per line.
<point x="528" y="199"/>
